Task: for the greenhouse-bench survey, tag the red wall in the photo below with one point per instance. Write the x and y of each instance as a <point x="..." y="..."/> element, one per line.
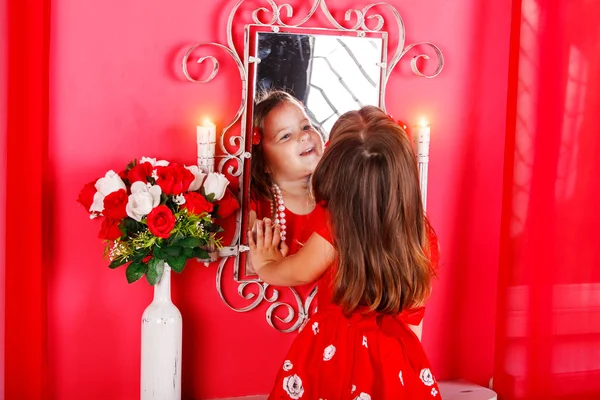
<point x="117" y="92"/>
<point x="3" y="91"/>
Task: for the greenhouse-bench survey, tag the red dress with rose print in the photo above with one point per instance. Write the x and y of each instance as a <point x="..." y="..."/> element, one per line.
<point x="366" y="356"/>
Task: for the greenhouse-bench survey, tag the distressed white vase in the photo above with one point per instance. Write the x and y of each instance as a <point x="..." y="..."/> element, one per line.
<point x="161" y="345"/>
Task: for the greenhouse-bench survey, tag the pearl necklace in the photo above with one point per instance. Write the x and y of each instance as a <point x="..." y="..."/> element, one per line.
<point x="278" y="210"/>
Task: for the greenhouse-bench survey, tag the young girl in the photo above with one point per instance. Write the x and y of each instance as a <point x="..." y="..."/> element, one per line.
<point x="370" y="255"/>
<point x="286" y="149"/>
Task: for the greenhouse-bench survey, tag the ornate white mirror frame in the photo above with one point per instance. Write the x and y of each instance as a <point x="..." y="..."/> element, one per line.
<point x="234" y="157"/>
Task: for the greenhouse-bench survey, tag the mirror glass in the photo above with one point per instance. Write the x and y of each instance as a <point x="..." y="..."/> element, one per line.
<point x="329" y="73"/>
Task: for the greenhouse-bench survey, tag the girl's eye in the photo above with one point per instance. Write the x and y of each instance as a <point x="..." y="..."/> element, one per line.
<point x="307" y="127"/>
<point x="286" y="136"/>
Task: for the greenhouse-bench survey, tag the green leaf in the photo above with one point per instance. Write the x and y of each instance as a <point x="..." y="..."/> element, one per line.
<point x="172" y="251"/>
<point x="212" y="228"/>
<point x="131" y="226"/>
<point x="189" y="242"/>
<point x="188" y="252"/>
<point x="159" y="252"/>
<point x="138" y="256"/>
<point x="201" y="253"/>
<point x="177" y="263"/>
<point x="156" y="267"/>
<point x="131" y="164"/>
<point x="135" y="271"/>
<point x="117" y="263"/>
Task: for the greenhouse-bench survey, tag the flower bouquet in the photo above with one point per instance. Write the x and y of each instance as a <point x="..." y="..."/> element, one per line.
<point x="157" y="212"/>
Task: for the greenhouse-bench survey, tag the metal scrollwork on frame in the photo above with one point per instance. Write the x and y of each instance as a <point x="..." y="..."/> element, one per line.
<point x="254" y="291"/>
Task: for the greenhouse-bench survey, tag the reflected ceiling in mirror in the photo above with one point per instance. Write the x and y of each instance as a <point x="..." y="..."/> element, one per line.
<point x="329" y="73"/>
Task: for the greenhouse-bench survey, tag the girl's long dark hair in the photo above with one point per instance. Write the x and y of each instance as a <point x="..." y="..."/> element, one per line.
<point x="369" y="179"/>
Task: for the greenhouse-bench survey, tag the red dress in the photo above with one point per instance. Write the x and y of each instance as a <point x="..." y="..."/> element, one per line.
<point x="366" y="356"/>
<point x="297" y="227"/>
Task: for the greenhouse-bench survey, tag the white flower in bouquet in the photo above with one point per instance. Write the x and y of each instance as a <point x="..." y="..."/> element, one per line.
<point x="215" y="183"/>
<point x="198" y="177"/>
<point x="153" y="162"/>
<point x="142" y="200"/>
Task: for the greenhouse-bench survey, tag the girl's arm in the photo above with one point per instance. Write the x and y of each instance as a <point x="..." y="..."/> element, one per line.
<point x="306" y="266"/>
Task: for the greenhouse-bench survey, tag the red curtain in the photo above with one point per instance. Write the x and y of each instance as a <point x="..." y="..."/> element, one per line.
<point x="26" y="144"/>
<point x="548" y="330"/>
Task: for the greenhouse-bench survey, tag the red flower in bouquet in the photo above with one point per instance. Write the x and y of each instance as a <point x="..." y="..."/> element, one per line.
<point x="140" y="172"/>
<point x="86" y="196"/>
<point x="161" y="221"/>
<point x="110" y="229"/>
<point x="195" y="203"/>
<point x="174" y="179"/>
<point x="227" y="205"/>
<point x="115" y="203"/>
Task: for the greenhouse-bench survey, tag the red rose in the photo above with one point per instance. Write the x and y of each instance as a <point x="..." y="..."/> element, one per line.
<point x="86" y="196"/>
<point x="174" y="179"/>
<point x="110" y="229"/>
<point x="140" y="172"/>
<point x="115" y="203"/>
<point x="227" y="205"/>
<point x="161" y="221"/>
<point x="195" y="203"/>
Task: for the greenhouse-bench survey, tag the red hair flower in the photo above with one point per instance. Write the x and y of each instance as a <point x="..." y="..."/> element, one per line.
<point x="256" y="137"/>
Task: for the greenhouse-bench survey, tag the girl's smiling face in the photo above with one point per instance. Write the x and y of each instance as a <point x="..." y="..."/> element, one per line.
<point x="292" y="147"/>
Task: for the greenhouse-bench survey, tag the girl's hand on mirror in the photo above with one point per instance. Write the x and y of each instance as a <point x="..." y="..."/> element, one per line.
<point x="264" y="249"/>
<point x="275" y="239"/>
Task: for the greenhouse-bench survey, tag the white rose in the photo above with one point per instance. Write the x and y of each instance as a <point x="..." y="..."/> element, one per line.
<point x="426" y="376"/>
<point x="328" y="352"/>
<point x="105" y="186"/>
<point x="142" y="200"/>
<point x="153" y="162"/>
<point x="215" y="183"/>
<point x="293" y="386"/>
<point x="198" y="177"/>
<point x="287" y="365"/>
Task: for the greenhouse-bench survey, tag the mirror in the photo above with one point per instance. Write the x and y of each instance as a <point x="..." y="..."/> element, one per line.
<point x="325" y="73"/>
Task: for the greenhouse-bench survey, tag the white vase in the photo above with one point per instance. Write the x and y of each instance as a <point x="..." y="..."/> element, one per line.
<point x="161" y="345"/>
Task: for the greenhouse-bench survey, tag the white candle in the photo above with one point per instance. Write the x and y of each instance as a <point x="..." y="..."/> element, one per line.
<point x="422" y="136"/>
<point x="206" y="137"/>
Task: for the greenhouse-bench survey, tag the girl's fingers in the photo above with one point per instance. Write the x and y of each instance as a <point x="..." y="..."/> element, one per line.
<point x="251" y="239"/>
<point x="268" y="238"/>
<point x="276" y="235"/>
<point x="284" y="249"/>
<point x="259" y="234"/>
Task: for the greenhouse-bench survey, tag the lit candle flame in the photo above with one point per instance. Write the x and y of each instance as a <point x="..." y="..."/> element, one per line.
<point x="207" y="122"/>
<point x="423" y="122"/>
